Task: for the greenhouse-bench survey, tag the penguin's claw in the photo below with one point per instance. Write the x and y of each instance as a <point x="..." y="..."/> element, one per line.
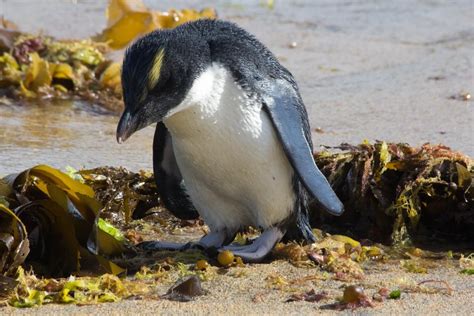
<point x="260" y="248"/>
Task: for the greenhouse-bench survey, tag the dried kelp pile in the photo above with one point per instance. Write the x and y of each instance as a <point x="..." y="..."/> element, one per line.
<point x="126" y="195"/>
<point x="394" y="193"/>
<point x="35" y="67"/>
<point x="29" y="290"/>
<point x="131" y="203"/>
<point x="61" y="223"/>
<point x="40" y="67"/>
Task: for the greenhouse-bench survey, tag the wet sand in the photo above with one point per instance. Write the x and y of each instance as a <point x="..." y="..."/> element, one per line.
<point x="366" y="70"/>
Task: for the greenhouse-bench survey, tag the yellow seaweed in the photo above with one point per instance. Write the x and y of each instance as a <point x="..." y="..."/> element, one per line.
<point x="38" y="73"/>
<point x="127" y="20"/>
<point x="14" y="245"/>
<point x="110" y="78"/>
<point x="10" y="73"/>
<point x="68" y="210"/>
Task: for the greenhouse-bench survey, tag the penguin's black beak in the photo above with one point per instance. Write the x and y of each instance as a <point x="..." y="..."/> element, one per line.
<point x="132" y="122"/>
<point x="126" y="127"/>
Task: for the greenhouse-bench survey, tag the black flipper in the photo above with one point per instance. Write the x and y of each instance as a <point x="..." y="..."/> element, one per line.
<point x="286" y="110"/>
<point x="168" y="177"/>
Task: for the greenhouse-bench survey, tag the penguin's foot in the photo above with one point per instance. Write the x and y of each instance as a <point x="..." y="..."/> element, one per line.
<point x="214" y="239"/>
<point x="211" y="240"/>
<point x="259" y="248"/>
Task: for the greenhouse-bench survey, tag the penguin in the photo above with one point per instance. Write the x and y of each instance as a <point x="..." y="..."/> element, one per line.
<point x="232" y="142"/>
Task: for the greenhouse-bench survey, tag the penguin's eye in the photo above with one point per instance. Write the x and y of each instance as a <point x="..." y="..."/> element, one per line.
<point x="167" y="84"/>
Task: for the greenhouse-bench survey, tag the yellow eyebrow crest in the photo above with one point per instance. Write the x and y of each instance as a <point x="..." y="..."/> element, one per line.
<point x="154" y="74"/>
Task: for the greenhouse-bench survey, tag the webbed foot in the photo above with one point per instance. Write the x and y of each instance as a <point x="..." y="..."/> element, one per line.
<point x="259" y="248"/>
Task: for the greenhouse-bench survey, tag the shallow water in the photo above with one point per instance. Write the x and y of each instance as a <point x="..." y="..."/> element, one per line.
<point x="67" y="134"/>
<point x="365" y="70"/>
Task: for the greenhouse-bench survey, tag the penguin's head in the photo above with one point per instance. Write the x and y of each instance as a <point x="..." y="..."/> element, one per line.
<point x="157" y="72"/>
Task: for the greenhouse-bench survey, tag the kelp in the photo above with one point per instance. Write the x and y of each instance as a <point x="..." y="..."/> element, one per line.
<point x="125" y="195"/>
<point x="37" y="67"/>
<point x="128" y="19"/>
<point x="88" y="217"/>
<point x="331" y="255"/>
<point x="41" y="67"/>
<point x="397" y="194"/>
<point x="33" y="291"/>
<point x="54" y="214"/>
<point x="14" y="243"/>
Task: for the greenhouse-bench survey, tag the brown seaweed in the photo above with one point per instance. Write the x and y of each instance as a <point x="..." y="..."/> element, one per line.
<point x="394" y="193"/>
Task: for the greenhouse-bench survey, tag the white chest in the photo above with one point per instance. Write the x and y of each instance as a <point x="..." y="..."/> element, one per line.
<point x="232" y="162"/>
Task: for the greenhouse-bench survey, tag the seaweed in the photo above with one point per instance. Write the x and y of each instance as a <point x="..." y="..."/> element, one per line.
<point x="51" y="213"/>
<point x="32" y="291"/>
<point x="397" y="194"/>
